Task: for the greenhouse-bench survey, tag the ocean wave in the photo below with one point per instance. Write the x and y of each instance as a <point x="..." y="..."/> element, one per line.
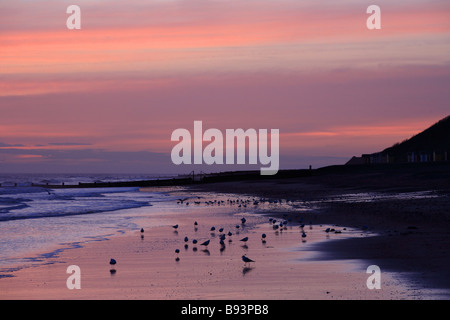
<point x="32" y="203"/>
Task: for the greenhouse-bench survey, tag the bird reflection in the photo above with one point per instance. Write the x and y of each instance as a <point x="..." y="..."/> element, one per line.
<point x="245" y="270"/>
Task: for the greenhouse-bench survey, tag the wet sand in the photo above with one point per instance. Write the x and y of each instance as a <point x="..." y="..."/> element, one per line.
<point x="406" y="207"/>
<point x="286" y="266"/>
<point x="401" y="227"/>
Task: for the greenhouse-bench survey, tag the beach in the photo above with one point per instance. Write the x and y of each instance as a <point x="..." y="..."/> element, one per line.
<point x="407" y="207"/>
<point x="322" y="265"/>
<point x="146" y="268"/>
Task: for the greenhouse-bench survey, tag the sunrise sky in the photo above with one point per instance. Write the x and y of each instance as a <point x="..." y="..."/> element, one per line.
<point x="106" y="98"/>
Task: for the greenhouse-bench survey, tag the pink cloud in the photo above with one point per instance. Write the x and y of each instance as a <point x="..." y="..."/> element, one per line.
<point x="138" y="70"/>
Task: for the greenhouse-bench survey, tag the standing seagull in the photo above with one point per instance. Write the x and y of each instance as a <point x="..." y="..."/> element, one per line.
<point x="246" y="260"/>
<point x="205" y="243"/>
<point x="112" y="262"/>
<point x="244" y="239"/>
<point x="263" y="238"/>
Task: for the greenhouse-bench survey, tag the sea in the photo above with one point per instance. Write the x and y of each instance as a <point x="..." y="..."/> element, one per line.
<point x="37" y="222"/>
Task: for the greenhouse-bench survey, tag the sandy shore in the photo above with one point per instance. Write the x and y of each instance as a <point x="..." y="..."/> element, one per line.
<point x="287" y="266"/>
<point x="407" y="207"/>
<point x="403" y="231"/>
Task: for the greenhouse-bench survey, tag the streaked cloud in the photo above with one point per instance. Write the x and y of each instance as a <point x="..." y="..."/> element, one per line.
<point x="140" y="69"/>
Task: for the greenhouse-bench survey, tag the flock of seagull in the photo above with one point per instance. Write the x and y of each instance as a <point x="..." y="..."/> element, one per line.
<point x="222" y="237"/>
<point x="277" y="225"/>
<point x="241" y="203"/>
<point x="205" y="243"/>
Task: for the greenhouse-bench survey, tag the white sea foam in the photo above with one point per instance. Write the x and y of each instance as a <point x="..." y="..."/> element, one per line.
<point x="35" y="220"/>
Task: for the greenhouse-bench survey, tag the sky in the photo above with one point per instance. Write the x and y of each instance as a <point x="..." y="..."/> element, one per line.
<point x="106" y="98"/>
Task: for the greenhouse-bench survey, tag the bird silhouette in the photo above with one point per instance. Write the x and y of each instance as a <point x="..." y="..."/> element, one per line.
<point x="244" y="239"/>
<point x="246" y="259"/>
<point x="205" y="243"/>
<point x="263" y="238"/>
<point x="112" y="261"/>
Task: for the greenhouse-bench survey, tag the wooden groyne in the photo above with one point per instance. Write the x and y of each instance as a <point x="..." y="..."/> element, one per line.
<point x="190" y="179"/>
<point x="427" y="171"/>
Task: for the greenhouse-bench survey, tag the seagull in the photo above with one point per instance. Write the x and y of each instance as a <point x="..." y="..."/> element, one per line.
<point x="263" y="238"/>
<point x="194" y="241"/>
<point x="244" y="239"/>
<point x="243" y="220"/>
<point x="303" y="235"/>
<point x="112" y="261"/>
<point x="213" y="228"/>
<point x="186" y="239"/>
<point x="247" y="260"/>
<point x="142" y="230"/>
<point x="205" y="243"/>
<point x="175" y="226"/>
